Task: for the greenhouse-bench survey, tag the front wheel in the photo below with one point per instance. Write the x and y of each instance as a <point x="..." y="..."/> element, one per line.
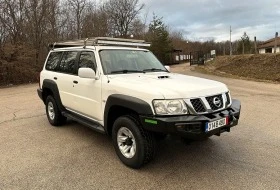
<point x="134" y="145"/>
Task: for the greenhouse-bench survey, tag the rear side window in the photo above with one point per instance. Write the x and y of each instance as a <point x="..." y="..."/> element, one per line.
<point x="68" y="62"/>
<point x="53" y="61"/>
<point x="87" y="60"/>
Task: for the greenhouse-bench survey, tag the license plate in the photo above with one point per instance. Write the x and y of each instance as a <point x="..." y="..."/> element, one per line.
<point x="216" y="124"/>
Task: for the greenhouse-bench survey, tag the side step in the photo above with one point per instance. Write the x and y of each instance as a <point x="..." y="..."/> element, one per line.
<point x="88" y="123"/>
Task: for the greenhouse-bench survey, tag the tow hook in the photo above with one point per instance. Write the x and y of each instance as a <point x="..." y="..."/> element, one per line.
<point x="231" y="117"/>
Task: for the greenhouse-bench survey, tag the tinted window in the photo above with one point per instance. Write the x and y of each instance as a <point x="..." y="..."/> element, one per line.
<point x="87" y="60"/>
<point x="53" y="61"/>
<point x="67" y="64"/>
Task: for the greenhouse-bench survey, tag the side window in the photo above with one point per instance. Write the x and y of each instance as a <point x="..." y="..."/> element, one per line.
<point x="87" y="60"/>
<point x="67" y="64"/>
<point x="53" y="61"/>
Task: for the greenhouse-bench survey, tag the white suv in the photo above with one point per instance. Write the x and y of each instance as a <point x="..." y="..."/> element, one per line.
<point x="114" y="87"/>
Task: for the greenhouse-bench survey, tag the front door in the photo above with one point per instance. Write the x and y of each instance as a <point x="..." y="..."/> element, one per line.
<point x="88" y="91"/>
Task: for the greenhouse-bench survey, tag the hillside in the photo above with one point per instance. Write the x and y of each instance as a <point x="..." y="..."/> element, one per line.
<point x="259" y="67"/>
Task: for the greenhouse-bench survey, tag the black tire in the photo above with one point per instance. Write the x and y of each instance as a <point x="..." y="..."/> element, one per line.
<point x="144" y="140"/>
<point x="57" y="119"/>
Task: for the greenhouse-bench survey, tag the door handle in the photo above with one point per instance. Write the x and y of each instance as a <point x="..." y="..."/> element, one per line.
<point x="55" y="78"/>
<point x="75" y="82"/>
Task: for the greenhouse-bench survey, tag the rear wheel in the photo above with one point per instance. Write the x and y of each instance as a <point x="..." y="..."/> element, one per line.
<point x="134" y="145"/>
<point x="53" y="113"/>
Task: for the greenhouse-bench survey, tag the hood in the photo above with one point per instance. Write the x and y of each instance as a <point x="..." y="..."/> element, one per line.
<point x="169" y="85"/>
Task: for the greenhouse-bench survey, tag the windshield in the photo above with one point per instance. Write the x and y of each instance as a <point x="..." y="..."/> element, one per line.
<point x="129" y="61"/>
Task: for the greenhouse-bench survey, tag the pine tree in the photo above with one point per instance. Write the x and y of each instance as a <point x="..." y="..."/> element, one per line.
<point x="244" y="45"/>
<point x="159" y="37"/>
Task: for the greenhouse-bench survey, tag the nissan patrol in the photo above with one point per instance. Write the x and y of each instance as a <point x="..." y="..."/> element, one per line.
<point x="117" y="87"/>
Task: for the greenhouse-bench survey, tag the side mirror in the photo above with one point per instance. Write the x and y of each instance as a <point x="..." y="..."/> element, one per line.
<point x="87" y="73"/>
<point x="167" y="68"/>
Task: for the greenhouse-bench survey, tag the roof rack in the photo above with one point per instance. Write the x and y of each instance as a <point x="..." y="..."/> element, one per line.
<point x="100" y="41"/>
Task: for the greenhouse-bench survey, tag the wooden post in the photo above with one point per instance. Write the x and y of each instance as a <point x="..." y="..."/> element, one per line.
<point x="275" y="43"/>
<point x="230" y="45"/>
<point x="255" y="42"/>
<point x="190" y="58"/>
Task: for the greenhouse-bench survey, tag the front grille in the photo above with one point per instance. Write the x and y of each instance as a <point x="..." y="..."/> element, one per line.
<point x="215" y="102"/>
<point x="198" y="105"/>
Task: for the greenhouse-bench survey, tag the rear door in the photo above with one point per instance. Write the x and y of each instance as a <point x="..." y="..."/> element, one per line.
<point x="65" y="78"/>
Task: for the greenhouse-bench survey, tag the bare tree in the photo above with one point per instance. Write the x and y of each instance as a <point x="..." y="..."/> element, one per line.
<point x="121" y="13"/>
<point x="12" y="18"/>
<point x="36" y="14"/>
<point x="137" y="28"/>
<point x="95" y="22"/>
<point x="54" y="20"/>
<point x="3" y="34"/>
<point x="78" y="7"/>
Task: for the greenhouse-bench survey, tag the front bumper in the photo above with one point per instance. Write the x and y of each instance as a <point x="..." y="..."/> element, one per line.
<point x="193" y="126"/>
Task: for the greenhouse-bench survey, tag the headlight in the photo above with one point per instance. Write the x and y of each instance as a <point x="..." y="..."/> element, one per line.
<point x="170" y="107"/>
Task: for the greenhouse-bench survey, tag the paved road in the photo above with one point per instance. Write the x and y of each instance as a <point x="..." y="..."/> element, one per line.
<point x="34" y="155"/>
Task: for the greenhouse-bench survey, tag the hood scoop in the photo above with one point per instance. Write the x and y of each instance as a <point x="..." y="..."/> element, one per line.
<point x="163" y="77"/>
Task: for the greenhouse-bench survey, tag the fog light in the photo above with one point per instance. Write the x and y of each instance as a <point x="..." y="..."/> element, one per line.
<point x="180" y="127"/>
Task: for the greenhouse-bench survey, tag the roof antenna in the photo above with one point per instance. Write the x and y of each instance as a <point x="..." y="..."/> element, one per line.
<point x="53" y="45"/>
<point x="85" y="43"/>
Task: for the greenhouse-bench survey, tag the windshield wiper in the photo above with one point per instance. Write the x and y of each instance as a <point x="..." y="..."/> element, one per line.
<point x="154" y="69"/>
<point x="126" y="71"/>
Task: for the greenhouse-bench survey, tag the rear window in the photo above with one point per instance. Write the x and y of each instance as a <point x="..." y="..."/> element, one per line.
<point x="53" y="61"/>
<point x="68" y="62"/>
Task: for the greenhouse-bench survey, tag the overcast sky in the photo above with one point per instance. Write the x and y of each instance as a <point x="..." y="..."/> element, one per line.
<point x="211" y="19"/>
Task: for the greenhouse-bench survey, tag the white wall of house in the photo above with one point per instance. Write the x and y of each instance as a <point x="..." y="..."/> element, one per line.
<point x="262" y="51"/>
